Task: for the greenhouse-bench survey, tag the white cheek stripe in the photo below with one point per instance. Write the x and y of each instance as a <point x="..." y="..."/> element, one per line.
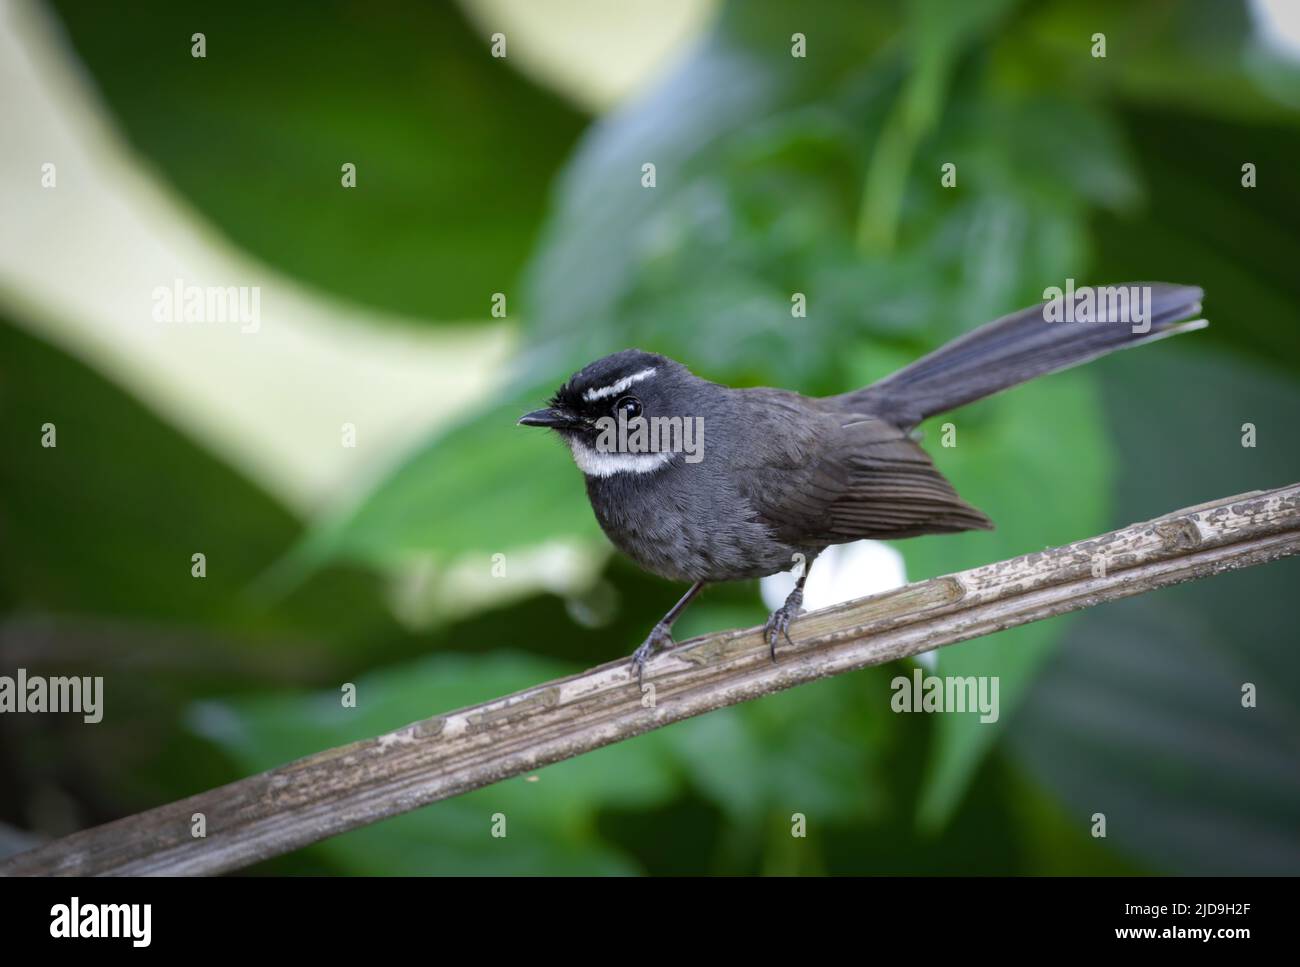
<point x="596" y="464"/>
<point x="613" y="388"/>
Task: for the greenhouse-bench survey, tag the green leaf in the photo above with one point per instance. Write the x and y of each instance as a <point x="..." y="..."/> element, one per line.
<point x="255" y="134"/>
<point x="106" y="523"/>
<point x="817" y="749"/>
<point x="1199" y="224"/>
<point x="487" y="485"/>
<point x="96" y="579"/>
<point x="1008" y="462"/>
<point x="937" y="33"/>
<point x="1202" y="56"/>
<point x="1140" y="717"/>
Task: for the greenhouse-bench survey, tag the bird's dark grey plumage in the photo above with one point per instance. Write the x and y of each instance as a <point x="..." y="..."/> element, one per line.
<point x="783" y="474"/>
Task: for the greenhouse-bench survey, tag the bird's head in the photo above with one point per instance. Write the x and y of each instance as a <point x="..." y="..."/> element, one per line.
<point x="630" y="385"/>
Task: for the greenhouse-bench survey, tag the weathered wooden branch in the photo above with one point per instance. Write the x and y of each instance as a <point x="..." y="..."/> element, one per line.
<point x="340" y="789"/>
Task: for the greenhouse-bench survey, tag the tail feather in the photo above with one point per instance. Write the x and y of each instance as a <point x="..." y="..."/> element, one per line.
<point x="1015" y="349"/>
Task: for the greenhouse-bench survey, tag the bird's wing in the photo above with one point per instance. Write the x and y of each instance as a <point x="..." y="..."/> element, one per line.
<point x="840" y="477"/>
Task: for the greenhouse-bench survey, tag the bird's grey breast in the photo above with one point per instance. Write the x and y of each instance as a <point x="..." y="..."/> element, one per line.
<point x="696" y="520"/>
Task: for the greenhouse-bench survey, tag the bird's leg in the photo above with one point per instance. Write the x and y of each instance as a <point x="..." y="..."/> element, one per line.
<point x="661" y="635"/>
<point x="778" y="623"/>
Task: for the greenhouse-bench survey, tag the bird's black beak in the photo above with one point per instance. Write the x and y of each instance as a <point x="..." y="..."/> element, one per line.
<point x="554" y="418"/>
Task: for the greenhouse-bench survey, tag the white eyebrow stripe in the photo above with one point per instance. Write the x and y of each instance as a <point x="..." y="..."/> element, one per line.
<point x="613" y="388"/>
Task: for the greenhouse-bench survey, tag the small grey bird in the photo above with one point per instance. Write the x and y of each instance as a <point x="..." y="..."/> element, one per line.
<point x="777" y="477"/>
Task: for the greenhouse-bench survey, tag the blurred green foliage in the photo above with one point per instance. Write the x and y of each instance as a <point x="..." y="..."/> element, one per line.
<point x="774" y="175"/>
<point x="254" y="135"/>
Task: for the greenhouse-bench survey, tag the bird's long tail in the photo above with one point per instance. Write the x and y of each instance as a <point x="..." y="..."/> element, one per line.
<point x="1016" y="348"/>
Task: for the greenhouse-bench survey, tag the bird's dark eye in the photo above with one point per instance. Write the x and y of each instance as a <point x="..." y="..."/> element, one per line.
<point x="629" y="406"/>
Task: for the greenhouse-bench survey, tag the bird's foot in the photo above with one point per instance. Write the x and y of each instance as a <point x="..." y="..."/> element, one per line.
<point x="660" y="637"/>
<point x="778" y="623"/>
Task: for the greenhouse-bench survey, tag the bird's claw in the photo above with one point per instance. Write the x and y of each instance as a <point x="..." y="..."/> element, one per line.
<point x="778" y="623"/>
<point x="658" y="638"/>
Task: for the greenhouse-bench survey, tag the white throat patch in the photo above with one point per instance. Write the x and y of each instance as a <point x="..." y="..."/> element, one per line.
<point x="614" y="388"/>
<point x="596" y="464"/>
